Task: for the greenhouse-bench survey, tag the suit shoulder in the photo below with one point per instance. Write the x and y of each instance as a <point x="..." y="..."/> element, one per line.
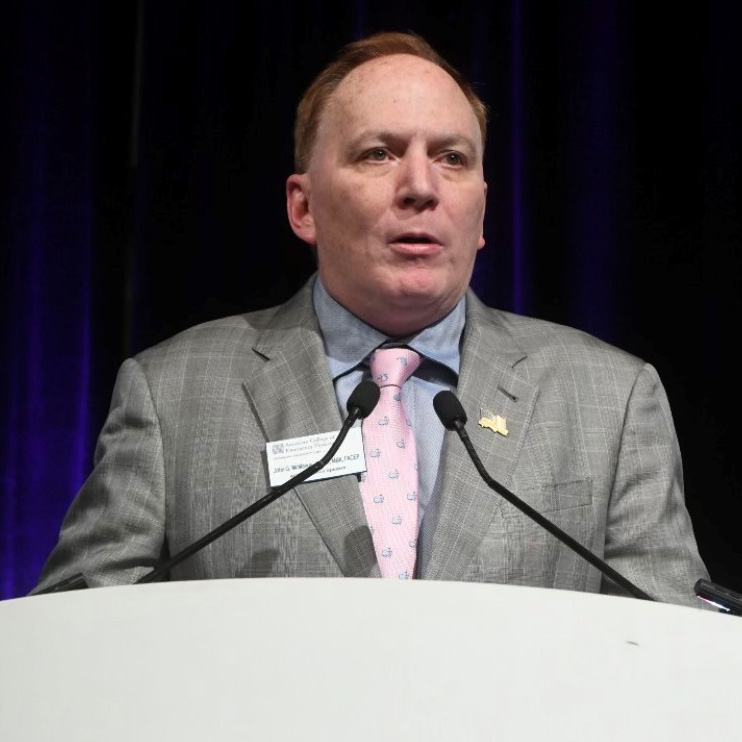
<point x="227" y="336"/>
<point x="544" y="339"/>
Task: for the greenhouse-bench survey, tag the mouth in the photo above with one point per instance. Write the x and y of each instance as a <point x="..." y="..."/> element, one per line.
<point x="415" y="243"/>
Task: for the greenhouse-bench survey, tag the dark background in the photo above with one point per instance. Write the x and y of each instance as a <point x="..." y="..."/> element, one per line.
<point x="144" y="149"/>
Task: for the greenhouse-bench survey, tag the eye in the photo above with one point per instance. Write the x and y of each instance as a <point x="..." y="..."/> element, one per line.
<point x="454" y="159"/>
<point x="377" y="154"/>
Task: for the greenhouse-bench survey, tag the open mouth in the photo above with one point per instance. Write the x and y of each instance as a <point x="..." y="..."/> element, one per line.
<point x="415" y="239"/>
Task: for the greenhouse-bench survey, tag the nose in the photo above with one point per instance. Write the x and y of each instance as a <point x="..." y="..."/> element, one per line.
<point x="418" y="187"/>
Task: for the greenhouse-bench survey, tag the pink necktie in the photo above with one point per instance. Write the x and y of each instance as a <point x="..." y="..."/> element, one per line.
<point x="389" y="488"/>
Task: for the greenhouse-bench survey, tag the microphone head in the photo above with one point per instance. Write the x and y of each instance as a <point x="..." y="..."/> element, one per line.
<point x="363" y="398"/>
<point x="449" y="410"/>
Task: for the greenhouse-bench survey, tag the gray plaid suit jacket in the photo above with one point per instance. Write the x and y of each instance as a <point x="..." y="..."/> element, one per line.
<point x="591" y="445"/>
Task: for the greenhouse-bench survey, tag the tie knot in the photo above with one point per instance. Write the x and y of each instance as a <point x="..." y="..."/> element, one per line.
<point x="393" y="366"/>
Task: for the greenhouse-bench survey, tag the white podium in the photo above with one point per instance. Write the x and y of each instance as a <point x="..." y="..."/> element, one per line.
<point x="362" y="660"/>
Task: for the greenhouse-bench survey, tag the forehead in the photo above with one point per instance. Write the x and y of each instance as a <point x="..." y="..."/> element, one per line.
<point x="399" y="91"/>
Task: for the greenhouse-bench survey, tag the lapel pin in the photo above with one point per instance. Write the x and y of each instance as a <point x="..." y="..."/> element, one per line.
<point x="496" y="423"/>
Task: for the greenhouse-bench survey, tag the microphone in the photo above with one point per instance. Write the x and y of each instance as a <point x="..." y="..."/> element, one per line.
<point x="360" y="405"/>
<point x="452" y="415"/>
<point x="362" y="401"/>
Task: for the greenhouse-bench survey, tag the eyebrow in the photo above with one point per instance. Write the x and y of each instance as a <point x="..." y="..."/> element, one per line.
<point x="388" y="137"/>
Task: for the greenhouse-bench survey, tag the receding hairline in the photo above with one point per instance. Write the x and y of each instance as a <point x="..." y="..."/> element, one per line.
<point x="363" y="69"/>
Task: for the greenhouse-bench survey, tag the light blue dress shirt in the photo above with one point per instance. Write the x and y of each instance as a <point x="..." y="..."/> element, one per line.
<point x="348" y="342"/>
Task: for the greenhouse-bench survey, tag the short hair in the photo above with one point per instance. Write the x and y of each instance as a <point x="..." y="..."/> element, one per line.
<point x="314" y="100"/>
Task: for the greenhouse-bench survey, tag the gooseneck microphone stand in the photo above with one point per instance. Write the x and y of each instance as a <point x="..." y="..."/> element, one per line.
<point x="361" y="403"/>
<point x="452" y="415"/>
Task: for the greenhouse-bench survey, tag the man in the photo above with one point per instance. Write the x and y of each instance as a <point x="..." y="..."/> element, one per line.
<point x="389" y="188"/>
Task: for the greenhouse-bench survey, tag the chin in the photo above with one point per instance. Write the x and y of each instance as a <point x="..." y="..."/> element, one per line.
<point x="421" y="287"/>
<point x="415" y="307"/>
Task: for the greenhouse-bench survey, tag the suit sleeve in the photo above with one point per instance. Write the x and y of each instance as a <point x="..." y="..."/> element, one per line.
<point x="649" y="536"/>
<point x="114" y="532"/>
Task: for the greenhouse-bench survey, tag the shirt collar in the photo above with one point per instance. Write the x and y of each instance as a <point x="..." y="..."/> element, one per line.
<point x="349" y="340"/>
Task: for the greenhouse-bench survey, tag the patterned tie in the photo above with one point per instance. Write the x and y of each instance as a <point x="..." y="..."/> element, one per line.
<point x="389" y="488"/>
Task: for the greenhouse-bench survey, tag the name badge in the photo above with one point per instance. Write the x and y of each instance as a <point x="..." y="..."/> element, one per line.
<point x="289" y="457"/>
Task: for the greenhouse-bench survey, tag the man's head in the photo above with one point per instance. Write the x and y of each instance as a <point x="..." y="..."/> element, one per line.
<point x="389" y="183"/>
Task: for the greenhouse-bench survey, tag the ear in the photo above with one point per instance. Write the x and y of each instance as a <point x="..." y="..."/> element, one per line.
<point x="298" y="209"/>
<point x="481" y="242"/>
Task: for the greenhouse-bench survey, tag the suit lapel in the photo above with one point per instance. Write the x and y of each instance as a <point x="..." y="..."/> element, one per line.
<point x="292" y="395"/>
<point x="467" y="507"/>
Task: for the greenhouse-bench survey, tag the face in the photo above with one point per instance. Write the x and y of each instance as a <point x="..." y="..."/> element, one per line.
<point x="394" y="195"/>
